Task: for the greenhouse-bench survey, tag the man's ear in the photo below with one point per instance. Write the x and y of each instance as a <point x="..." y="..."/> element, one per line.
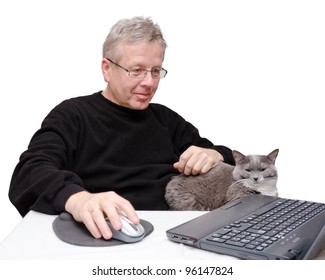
<point x="105" y="69"/>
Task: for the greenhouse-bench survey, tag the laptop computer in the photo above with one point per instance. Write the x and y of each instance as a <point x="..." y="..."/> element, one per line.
<point x="258" y="227"/>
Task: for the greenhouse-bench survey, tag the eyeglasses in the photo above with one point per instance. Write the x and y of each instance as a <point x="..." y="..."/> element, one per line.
<point x="139" y="73"/>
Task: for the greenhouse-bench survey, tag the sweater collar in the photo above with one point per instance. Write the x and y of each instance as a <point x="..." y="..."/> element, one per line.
<point x="122" y="109"/>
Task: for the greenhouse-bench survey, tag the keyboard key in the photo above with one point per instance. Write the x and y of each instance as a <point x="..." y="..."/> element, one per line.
<point x="235" y="243"/>
<point x="216" y="239"/>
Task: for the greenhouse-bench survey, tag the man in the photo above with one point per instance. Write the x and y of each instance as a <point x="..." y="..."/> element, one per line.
<point x="113" y="151"/>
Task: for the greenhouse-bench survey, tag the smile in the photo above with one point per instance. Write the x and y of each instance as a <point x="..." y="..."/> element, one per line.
<point x="142" y="95"/>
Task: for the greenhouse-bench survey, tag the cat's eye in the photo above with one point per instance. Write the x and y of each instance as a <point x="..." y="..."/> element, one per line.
<point x="262" y="169"/>
<point x="248" y="170"/>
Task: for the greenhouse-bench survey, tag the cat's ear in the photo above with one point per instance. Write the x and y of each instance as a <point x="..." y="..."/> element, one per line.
<point x="272" y="156"/>
<point x="238" y="157"/>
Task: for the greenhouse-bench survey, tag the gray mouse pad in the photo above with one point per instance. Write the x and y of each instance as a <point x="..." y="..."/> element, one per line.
<point x="73" y="232"/>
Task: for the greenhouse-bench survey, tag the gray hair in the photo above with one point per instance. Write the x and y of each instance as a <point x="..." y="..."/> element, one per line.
<point x="132" y="31"/>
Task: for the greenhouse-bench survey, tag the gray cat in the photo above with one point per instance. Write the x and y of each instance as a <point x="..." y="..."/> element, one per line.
<point x="224" y="183"/>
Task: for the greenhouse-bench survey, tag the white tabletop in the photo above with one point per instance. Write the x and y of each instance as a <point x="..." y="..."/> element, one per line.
<point x="34" y="238"/>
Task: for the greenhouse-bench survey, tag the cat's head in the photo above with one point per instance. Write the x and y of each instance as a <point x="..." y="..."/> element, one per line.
<point x="256" y="171"/>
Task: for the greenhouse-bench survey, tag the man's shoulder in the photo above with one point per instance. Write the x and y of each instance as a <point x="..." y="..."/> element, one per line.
<point x="74" y="105"/>
<point x="79" y="101"/>
<point x="83" y="98"/>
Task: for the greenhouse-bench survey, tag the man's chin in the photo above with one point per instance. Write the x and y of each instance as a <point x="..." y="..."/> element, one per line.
<point x="140" y="105"/>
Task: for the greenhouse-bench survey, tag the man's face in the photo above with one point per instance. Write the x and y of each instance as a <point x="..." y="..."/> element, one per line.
<point x="126" y="91"/>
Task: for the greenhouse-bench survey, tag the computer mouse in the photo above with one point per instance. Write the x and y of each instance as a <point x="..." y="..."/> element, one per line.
<point x="129" y="233"/>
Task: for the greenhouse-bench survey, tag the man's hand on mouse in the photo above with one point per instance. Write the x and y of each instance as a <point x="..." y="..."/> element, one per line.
<point x="196" y="160"/>
<point x="92" y="210"/>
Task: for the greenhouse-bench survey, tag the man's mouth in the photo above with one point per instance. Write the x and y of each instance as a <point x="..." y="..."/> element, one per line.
<point x="142" y="96"/>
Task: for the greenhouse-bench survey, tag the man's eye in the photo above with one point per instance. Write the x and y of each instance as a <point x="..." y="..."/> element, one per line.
<point x="137" y="71"/>
<point x="155" y="72"/>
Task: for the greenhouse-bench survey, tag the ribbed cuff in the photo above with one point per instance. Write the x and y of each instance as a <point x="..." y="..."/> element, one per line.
<point x="62" y="197"/>
<point x="226" y="153"/>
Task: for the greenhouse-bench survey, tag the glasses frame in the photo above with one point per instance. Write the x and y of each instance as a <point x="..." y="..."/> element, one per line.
<point x="162" y="72"/>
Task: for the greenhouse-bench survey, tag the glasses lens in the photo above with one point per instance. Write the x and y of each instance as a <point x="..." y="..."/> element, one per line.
<point x="163" y="73"/>
<point x="137" y="73"/>
<point x="141" y="73"/>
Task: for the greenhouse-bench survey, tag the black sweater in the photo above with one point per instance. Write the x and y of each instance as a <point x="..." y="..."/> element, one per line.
<point x="89" y="143"/>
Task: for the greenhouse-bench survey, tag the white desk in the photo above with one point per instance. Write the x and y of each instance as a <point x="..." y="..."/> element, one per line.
<point x="34" y="238"/>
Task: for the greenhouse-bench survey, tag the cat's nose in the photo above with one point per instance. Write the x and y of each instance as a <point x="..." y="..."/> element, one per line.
<point x="255" y="179"/>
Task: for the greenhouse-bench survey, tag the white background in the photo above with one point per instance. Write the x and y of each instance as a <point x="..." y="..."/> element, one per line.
<point x="248" y="74"/>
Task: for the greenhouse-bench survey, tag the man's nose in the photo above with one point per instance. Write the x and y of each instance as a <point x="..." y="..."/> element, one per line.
<point x="148" y="80"/>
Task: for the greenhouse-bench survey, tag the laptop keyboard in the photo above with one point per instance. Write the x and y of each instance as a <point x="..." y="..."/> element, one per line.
<point x="267" y="225"/>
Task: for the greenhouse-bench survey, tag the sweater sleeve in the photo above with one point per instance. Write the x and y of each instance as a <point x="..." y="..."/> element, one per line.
<point x="41" y="180"/>
<point x="184" y="135"/>
<point x="226" y="153"/>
